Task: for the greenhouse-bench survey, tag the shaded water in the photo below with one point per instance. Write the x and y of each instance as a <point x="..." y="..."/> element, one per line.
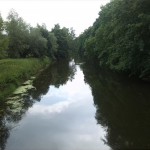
<point x="123" y="107"/>
<point x="78" y="107"/>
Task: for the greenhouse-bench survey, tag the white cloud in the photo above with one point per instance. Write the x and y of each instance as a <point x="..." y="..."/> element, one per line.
<point x="79" y="14"/>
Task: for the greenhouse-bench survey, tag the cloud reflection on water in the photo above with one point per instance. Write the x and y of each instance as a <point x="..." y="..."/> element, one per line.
<point x="64" y="119"/>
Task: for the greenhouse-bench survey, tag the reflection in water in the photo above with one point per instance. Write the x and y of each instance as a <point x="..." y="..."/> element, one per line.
<point x="123" y="107"/>
<point x="62" y="120"/>
<point x="62" y="117"/>
<point x="12" y="111"/>
<point x="56" y="75"/>
<point x="4" y="131"/>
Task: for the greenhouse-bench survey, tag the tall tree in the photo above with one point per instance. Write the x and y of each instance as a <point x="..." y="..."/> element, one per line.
<point x="52" y="45"/>
<point x="64" y="41"/>
<point x="3" y="40"/>
<point x="18" y="34"/>
<point x="38" y="44"/>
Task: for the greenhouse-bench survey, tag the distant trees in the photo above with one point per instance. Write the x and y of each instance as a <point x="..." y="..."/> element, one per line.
<point x="64" y="40"/>
<point x="19" y="40"/>
<point x="119" y="38"/>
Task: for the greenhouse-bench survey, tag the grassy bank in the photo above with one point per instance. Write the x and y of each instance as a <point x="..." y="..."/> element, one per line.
<point x="14" y="71"/>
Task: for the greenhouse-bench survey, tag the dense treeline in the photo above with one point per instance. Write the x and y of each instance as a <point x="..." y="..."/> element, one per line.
<point x="19" y="40"/>
<point x="120" y="37"/>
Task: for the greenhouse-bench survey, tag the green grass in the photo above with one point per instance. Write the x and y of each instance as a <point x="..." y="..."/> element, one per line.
<point x="14" y="71"/>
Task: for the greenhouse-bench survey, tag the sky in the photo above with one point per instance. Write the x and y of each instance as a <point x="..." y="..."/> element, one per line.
<point x="79" y="14"/>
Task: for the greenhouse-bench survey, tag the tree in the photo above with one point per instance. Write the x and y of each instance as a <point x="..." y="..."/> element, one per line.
<point x="18" y="35"/>
<point x="51" y="40"/>
<point x="65" y="40"/>
<point x="52" y="45"/>
<point x="3" y="40"/>
<point x="119" y="38"/>
<point x="38" y="44"/>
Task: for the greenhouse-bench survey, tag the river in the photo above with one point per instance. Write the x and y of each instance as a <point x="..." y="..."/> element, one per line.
<point x="78" y="107"/>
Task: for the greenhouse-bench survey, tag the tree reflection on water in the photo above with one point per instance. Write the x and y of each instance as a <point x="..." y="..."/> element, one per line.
<point x="122" y="108"/>
<point x="13" y="110"/>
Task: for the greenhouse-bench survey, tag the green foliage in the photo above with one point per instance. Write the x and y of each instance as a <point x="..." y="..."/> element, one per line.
<point x="119" y="38"/>
<point x="52" y="45"/>
<point x="22" y="41"/>
<point x="38" y="44"/>
<point x="18" y="35"/>
<point x="14" y="71"/>
<point x="90" y="48"/>
<point x="3" y="40"/>
<point x="64" y="40"/>
<point x="49" y="45"/>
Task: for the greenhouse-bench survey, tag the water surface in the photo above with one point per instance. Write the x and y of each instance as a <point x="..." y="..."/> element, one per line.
<point x="61" y="116"/>
<point x="123" y="107"/>
<point x="78" y="107"/>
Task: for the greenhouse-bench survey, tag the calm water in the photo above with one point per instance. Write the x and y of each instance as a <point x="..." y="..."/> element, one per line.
<point x="78" y="107"/>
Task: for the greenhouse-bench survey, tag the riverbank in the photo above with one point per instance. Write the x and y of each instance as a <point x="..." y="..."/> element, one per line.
<point x="15" y="71"/>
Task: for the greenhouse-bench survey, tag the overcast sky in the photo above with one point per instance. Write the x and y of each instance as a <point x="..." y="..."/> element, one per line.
<point x="79" y="14"/>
